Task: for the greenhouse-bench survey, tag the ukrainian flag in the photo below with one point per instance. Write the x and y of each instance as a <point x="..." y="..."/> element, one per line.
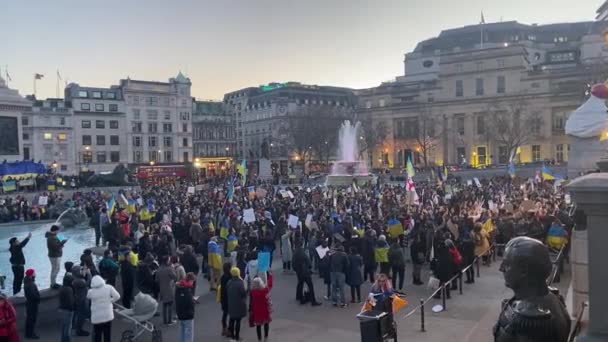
<point x="381" y="254"/>
<point x="110" y="205"/>
<point x="242" y="170"/>
<point x="557" y="237"/>
<point x="395" y="228"/>
<point x="9" y="186"/>
<point x="512" y="169"/>
<point x="145" y="214"/>
<point x="215" y="255"/>
<point x="224" y="229"/>
<point x="51" y="185"/>
<point x="233" y="242"/>
<point x="410" y="167"/>
<point x="548" y="174"/>
<point x="445" y="173"/>
<point x="132" y="206"/>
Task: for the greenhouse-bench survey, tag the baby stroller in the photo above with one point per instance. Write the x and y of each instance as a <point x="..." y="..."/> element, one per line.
<point x="144" y="308"/>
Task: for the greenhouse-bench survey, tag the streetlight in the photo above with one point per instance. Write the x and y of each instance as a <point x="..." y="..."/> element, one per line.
<point x="87" y="148"/>
<point x="152" y="162"/>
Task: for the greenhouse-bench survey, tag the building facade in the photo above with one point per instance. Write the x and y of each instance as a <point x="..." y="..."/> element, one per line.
<point x="213" y="137"/>
<point x="12" y="105"/>
<point x="159" y="119"/>
<point x="464" y="99"/>
<point x="48" y="135"/>
<point x="99" y="127"/>
<point x="266" y="118"/>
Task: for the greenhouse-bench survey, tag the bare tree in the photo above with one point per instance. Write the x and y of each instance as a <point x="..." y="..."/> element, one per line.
<point x="513" y="124"/>
<point x="427" y="139"/>
<point x="371" y="136"/>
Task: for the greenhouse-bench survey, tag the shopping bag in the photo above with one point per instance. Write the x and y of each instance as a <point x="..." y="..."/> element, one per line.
<point x="433" y="283"/>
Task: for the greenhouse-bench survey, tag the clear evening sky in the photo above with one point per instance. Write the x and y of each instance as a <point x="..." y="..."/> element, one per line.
<point x="225" y="45"/>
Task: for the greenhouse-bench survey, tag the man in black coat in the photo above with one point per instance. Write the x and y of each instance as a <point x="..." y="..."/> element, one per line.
<point x="32" y="297"/>
<point x="301" y="264"/>
<point x="18" y="261"/>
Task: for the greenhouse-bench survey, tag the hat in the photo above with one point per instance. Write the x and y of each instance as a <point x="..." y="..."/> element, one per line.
<point x="30" y="273"/>
<point x="54" y="228"/>
<point x="12" y="240"/>
<point x="382" y="238"/>
<point x="235" y="272"/>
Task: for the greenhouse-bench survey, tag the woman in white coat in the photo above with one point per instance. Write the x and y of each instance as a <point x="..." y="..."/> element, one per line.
<point x="102" y="297"/>
<point x="286" y="251"/>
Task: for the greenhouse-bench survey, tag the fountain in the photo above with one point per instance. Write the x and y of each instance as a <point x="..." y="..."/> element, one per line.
<point x="348" y="168"/>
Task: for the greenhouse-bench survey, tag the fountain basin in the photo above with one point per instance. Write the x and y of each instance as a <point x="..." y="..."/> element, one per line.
<point x="347" y="180"/>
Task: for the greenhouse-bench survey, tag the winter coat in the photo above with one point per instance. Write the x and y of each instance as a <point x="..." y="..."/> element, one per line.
<point x="79" y="284"/>
<point x="9" y="327"/>
<point x="17" y="257"/>
<point x="188" y="260"/>
<point x="224" y="291"/>
<point x="66" y="298"/>
<point x="184" y="301"/>
<point x="102" y="296"/>
<point x="145" y="278"/>
<point x="286" y="252"/>
<point x="482" y="244"/>
<point x="339" y="262"/>
<point x="368" y="251"/>
<point x="396" y="257"/>
<point x="354" y="276"/>
<point x="180" y="272"/>
<point x="443" y="266"/>
<point x="196" y="232"/>
<point x="32" y="295"/>
<point x="165" y="278"/>
<point x="301" y="263"/>
<point x="108" y="269"/>
<point x="261" y="306"/>
<point x="237" y="298"/>
<point x="54" y="245"/>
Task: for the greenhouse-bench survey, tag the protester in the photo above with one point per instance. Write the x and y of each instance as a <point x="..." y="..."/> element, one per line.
<point x="184" y="307"/>
<point x="237" y="303"/>
<point x="17" y="261"/>
<point x="354" y="277"/>
<point x="102" y="297"/>
<point x="223" y="291"/>
<point x="66" y="308"/>
<point x="8" y="321"/>
<point x="32" y="300"/>
<point x="165" y="279"/>
<point x="339" y="267"/>
<point x="127" y="276"/>
<point x="55" y="251"/>
<point x="261" y="307"/>
<point x="180" y="272"/>
<point x="80" y="282"/>
<point x="286" y="251"/>
<point x="108" y="268"/>
<point x="397" y="261"/>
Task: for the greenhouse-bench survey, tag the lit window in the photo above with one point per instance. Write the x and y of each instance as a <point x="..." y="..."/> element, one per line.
<point x="62" y="136"/>
<point x="48" y="136"/>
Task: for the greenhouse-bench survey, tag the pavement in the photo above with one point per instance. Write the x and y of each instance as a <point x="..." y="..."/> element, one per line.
<point x="468" y="317"/>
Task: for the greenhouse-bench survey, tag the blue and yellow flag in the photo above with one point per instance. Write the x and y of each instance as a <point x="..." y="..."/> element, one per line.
<point x="215" y="255"/>
<point x="395" y="228"/>
<point x="145" y="214"/>
<point x="512" y="168"/>
<point x="410" y="167"/>
<point x="557" y="237"/>
<point x="51" y="185"/>
<point x="242" y="170"/>
<point x="110" y="205"/>
<point x="131" y="206"/>
<point x="381" y="254"/>
<point x="445" y="173"/>
<point x="224" y="228"/>
<point x="9" y="186"/>
<point x="549" y="175"/>
<point x="233" y="242"/>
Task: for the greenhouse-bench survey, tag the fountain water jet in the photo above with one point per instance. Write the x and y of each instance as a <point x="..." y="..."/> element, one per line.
<point x="349" y="168"/>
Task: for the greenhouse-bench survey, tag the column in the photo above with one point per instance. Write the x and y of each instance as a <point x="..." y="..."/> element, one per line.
<point x="590" y="193"/>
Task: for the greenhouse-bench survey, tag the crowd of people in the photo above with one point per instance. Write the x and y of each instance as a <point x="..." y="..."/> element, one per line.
<point x="227" y="234"/>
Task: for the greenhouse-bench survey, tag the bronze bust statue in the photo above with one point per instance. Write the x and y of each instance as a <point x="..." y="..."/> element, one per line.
<point x="536" y="313"/>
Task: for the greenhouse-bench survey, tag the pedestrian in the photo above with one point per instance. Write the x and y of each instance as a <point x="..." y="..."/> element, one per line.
<point x="81" y="304"/>
<point x="108" y="268"/>
<point x="456" y="261"/>
<point x="165" y="279"/>
<point x="339" y="267"/>
<point x="354" y="278"/>
<point x="417" y="253"/>
<point x="482" y="243"/>
<point x="102" y="297"/>
<point x="32" y="300"/>
<point x="8" y="321"/>
<point x="127" y="276"/>
<point x="237" y="303"/>
<point x="17" y="261"/>
<point x="180" y="272"/>
<point x="381" y="254"/>
<point x="397" y="261"/>
<point x="86" y="259"/>
<point x="286" y="251"/>
<point x="184" y="307"/>
<point x="261" y="306"/>
<point x="302" y="266"/>
<point x="368" y="254"/>
<point x="145" y="275"/>
<point x="55" y="251"/>
<point x="66" y="308"/>
<point x="467" y="246"/>
<point x="443" y="267"/>
<point x="215" y="263"/>
<point x="226" y="276"/>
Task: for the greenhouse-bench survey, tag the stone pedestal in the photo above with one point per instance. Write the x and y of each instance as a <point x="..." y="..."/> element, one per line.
<point x="579" y="262"/>
<point x="590" y="193"/>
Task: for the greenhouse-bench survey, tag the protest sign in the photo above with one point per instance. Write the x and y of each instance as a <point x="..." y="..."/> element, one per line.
<point x="293" y="221"/>
<point x="322" y="251"/>
<point x="248" y="215"/>
<point x="43" y="200"/>
<point x="191" y="189"/>
<point x="263" y="262"/>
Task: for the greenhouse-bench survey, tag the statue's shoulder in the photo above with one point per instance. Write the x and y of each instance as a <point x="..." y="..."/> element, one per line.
<point x="526" y="310"/>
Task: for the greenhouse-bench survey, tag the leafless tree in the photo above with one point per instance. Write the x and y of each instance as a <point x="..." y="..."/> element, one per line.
<point x="371" y="136"/>
<point x="429" y="132"/>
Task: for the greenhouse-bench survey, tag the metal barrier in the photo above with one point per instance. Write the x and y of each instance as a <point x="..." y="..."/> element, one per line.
<point x="556" y="267"/>
<point x="577" y="326"/>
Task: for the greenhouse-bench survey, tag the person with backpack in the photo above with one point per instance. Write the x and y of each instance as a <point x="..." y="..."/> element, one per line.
<point x="457" y="261"/>
<point x="184" y="307"/>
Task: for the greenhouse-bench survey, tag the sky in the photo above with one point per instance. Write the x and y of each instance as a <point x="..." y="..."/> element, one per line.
<point x="226" y="45"/>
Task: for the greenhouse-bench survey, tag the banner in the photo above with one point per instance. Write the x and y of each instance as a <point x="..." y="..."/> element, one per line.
<point x="9" y="186"/>
<point x="26" y="182"/>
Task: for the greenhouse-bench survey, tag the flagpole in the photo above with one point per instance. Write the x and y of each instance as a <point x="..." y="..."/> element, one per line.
<point x="57" y="85"/>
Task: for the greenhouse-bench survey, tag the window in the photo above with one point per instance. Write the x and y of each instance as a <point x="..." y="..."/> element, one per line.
<point x="558" y="122"/>
<point x="460" y="124"/>
<point x="186" y="157"/>
<point x="101" y="157"/>
<point x="501" y="84"/>
<point x="136" y="126"/>
<point x="500" y="62"/>
<point x="48" y="149"/>
<point x="185" y="127"/>
<point x="559" y="153"/>
<point x="381" y="102"/>
<point x="535" y="153"/>
<point x="479" y="86"/>
<point x="86" y="140"/>
<point x="137" y="156"/>
<point x="461" y="153"/>
<point x="136" y="114"/>
<point x="100" y="140"/>
<point x="152" y="101"/>
<point x="26" y="153"/>
<point x="25" y="121"/>
<point x="85" y="106"/>
<point x="110" y="95"/>
<point x="481" y="155"/>
<point x="114" y="124"/>
<point x="184" y="103"/>
<point x="167" y="115"/>
<point x="503" y="155"/>
<point x="458" y="67"/>
<point x="99" y="107"/>
<point x="368" y="104"/>
<point x="152" y="127"/>
<point x="62" y="136"/>
<point x="479" y="66"/>
<point x="87" y="157"/>
<point x="535" y="125"/>
<point x="153" y="155"/>
<point x="137" y="141"/>
<point x="62" y="121"/>
<point x="115" y="156"/>
<point x="185" y="116"/>
<point x="168" y="156"/>
<point x="26" y="136"/>
<point x="96" y="94"/>
<point x="185" y="142"/>
<point x="48" y="136"/>
<point x="114" y="140"/>
<point x="100" y="124"/>
<point x="136" y="100"/>
<point x="167" y="141"/>
<point x="83" y="93"/>
<point x="167" y="128"/>
<point x="481" y="125"/>
<point x="152" y="114"/>
<point x="152" y="141"/>
<point x="459" y="88"/>
<point x="113" y="107"/>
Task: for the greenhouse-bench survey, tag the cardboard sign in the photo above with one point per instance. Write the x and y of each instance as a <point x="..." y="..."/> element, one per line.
<point x="43" y="200"/>
<point x="308" y="220"/>
<point x="263" y="262"/>
<point x="140" y="201"/>
<point x="293" y="221"/>
<point x="191" y="190"/>
<point x="248" y="215"/>
<point x="469" y="182"/>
